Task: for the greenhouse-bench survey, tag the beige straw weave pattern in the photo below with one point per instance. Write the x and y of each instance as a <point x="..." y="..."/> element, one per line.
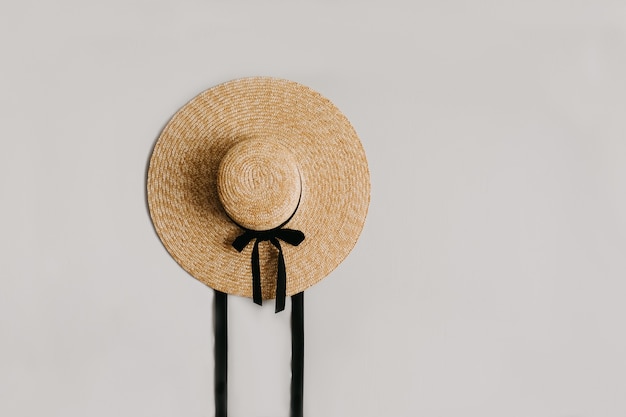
<point x="259" y="184"/>
<point x="185" y="172"/>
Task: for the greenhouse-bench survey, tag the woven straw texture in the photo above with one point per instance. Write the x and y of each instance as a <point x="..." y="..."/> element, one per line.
<point x="259" y="184"/>
<point x="185" y="169"/>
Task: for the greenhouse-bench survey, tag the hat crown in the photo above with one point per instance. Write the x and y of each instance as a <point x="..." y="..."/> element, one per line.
<point x="259" y="184"/>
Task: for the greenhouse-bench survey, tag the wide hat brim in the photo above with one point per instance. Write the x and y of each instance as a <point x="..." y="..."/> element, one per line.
<point x="182" y="183"/>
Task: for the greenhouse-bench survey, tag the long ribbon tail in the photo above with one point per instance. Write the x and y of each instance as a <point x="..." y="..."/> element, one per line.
<point x="297" y="355"/>
<point x="281" y="280"/>
<point x="256" y="275"/>
<point x="220" y="328"/>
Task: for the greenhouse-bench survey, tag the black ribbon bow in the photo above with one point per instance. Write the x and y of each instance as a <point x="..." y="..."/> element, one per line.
<point x="293" y="237"/>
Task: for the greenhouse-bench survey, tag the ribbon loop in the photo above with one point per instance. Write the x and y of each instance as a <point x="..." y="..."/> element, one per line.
<point x="293" y="237"/>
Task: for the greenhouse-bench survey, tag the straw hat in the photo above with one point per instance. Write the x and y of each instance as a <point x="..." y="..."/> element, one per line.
<point x="264" y="160"/>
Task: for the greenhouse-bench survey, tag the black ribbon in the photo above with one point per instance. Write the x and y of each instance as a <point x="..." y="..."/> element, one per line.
<point x="293" y="237"/>
<point x="220" y="327"/>
<point x="297" y="355"/>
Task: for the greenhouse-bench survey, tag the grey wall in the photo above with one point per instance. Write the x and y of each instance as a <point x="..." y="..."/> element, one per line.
<point x="489" y="280"/>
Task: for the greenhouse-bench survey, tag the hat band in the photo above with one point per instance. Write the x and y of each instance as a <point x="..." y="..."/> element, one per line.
<point x="220" y="329"/>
